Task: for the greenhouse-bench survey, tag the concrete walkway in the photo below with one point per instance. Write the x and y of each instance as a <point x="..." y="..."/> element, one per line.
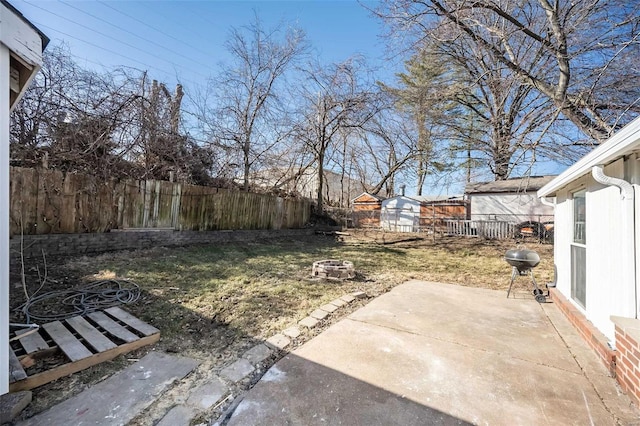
<point x="120" y="398"/>
<point x="429" y="353"/>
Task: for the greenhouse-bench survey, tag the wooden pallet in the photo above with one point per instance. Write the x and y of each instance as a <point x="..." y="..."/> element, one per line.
<point x="82" y="341"/>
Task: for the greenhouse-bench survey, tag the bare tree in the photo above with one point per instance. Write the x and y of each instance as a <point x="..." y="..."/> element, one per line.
<point x="502" y="120"/>
<point x="247" y="117"/>
<point x="71" y="118"/>
<point x="162" y="152"/>
<point x="334" y="103"/>
<point x="114" y="123"/>
<point x="388" y="148"/>
<point x="582" y="49"/>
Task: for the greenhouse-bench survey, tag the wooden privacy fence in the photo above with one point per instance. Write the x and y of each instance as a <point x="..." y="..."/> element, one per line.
<point x="365" y="218"/>
<point x="46" y="201"/>
<point x="491" y="229"/>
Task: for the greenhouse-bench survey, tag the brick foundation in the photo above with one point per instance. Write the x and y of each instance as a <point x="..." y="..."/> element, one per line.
<point x="79" y="244"/>
<point x="628" y="357"/>
<point x="591" y="335"/>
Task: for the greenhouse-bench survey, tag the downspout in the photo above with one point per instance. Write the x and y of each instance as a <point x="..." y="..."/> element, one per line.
<point x="628" y="218"/>
<point x="546" y="202"/>
<point x="552" y="204"/>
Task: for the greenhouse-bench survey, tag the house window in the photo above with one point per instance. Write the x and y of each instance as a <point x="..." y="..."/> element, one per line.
<point x="579" y="250"/>
<point x="578" y="275"/>
<point x="579" y="218"/>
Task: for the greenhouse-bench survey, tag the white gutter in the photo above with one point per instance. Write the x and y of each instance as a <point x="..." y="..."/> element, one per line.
<point x="626" y="189"/>
<point x="628" y="250"/>
<point x="622" y="143"/>
<point x="546" y="202"/>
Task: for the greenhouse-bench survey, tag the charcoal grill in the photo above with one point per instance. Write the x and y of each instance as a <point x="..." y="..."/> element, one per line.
<point x="522" y="262"/>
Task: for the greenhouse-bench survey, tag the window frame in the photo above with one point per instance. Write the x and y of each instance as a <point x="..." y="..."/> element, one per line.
<point x="578" y="247"/>
<point x="579" y="195"/>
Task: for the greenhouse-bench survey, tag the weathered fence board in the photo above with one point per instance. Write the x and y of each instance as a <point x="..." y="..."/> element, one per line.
<point x="48" y="201"/>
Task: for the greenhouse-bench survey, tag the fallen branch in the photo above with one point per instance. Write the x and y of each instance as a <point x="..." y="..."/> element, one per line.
<point x="404" y="240"/>
<point x="332" y="233"/>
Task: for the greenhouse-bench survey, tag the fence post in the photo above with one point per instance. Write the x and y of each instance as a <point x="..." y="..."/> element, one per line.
<point x="541" y="230"/>
<point x="176" y="195"/>
<point x="156" y="204"/>
<point x="146" y="203"/>
<point x="433" y="224"/>
<point x="279" y="213"/>
<point x="120" y="219"/>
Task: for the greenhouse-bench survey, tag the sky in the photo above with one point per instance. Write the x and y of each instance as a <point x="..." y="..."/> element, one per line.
<point x="183" y="41"/>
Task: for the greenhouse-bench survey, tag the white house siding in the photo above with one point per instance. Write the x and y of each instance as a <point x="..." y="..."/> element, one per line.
<point x="608" y="278"/>
<point x="562" y="240"/>
<point x="509" y="207"/>
<point x="17" y="37"/>
<point x="400" y="214"/>
<point x="632" y="172"/>
<point x="4" y="217"/>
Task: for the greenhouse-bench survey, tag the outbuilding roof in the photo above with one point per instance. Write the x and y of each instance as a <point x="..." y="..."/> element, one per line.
<point x="367" y="198"/>
<point x="625" y="142"/>
<point x="427" y="199"/>
<point x="523" y="184"/>
<point x="436" y="198"/>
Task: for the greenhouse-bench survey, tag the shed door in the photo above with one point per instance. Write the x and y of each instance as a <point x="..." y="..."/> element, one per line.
<point x="400" y="220"/>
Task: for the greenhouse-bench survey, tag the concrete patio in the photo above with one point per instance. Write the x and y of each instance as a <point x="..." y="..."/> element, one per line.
<point x="430" y="353"/>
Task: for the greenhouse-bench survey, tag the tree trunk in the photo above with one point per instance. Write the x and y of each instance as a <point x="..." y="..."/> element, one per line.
<point x="320" y="198"/>
<point x="175" y="109"/>
<point x="423" y="154"/>
<point x="247" y="165"/>
<point x="501" y="160"/>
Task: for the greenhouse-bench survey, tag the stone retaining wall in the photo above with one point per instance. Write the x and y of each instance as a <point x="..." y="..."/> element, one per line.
<point x="79" y="244"/>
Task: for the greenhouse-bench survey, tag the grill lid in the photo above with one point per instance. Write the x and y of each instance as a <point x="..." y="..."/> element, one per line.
<point x="522" y="259"/>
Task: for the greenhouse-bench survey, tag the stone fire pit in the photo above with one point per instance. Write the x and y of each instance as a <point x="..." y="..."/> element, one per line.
<point x="333" y="269"/>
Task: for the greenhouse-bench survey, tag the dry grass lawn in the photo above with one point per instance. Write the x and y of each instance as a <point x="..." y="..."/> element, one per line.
<point x="256" y="289"/>
<point x="212" y="301"/>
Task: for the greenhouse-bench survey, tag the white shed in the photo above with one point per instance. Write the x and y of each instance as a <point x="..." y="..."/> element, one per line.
<point x="510" y="200"/>
<point x="400" y="214"/>
<point x="21" y="46"/>
<point x="597" y="239"/>
<point x="419" y="212"/>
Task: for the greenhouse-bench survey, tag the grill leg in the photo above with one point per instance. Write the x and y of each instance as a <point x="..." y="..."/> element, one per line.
<point x="535" y="284"/>
<point x="514" y="274"/>
<point x="538" y="294"/>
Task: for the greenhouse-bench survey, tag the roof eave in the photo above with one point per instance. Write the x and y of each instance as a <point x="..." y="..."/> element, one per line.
<point x="379" y="198"/>
<point x="506" y="191"/>
<point x="521" y="185"/>
<point x="622" y="143"/>
<point x="43" y="37"/>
